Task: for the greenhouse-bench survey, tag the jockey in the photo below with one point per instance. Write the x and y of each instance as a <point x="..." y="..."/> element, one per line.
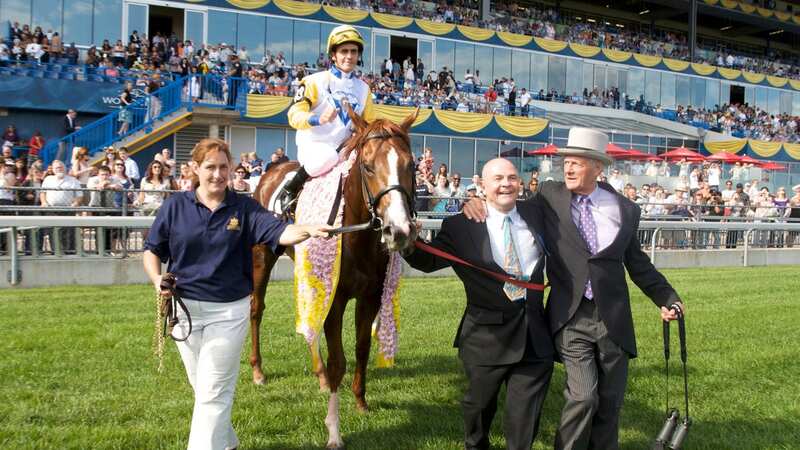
<point x="318" y="113"/>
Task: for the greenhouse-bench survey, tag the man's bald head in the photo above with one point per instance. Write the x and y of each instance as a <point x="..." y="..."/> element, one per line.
<point x="501" y="184"/>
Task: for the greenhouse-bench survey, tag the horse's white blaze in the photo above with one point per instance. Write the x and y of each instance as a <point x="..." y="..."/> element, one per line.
<point x="396" y="214"/>
<point x="332" y="422"/>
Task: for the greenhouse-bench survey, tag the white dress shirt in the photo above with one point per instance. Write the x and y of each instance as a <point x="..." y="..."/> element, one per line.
<point x="528" y="250"/>
<point x="132" y="169"/>
<point x="606" y="214"/>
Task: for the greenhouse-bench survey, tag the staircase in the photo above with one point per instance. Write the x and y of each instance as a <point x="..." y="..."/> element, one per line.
<point x="185" y="140"/>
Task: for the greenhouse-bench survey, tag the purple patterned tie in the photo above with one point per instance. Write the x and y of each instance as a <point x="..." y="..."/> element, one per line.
<point x="588" y="229"/>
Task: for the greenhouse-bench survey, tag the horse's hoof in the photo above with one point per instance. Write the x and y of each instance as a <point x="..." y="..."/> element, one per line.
<point x="335" y="446"/>
<point x="362" y="407"/>
<point x="259" y="380"/>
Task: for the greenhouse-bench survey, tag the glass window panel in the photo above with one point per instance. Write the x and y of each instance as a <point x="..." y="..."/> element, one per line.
<point x="773" y="103"/>
<point x="557" y="74"/>
<point x="464" y="60"/>
<point x="712" y="94"/>
<point x="538" y="72"/>
<point x="698" y="92"/>
<point x="682" y="90"/>
<point x="463" y="157"/>
<point x="381" y="51"/>
<point x="635" y="83"/>
<point x="445" y="54"/>
<point x="514" y="148"/>
<point x="440" y="147"/>
<point x="521" y="69"/>
<point x="668" y="90"/>
<point x="243" y="140"/>
<point x="291" y="144"/>
<point x="724" y="93"/>
<point x="425" y="53"/>
<point x="587" y="77"/>
<point x="107" y="21"/>
<point x="15" y="11"/>
<point x="279" y="37"/>
<point x="194" y="28"/>
<point x="652" y="87"/>
<point x="47" y="14"/>
<point x="485" y="151"/>
<point x="221" y="27"/>
<point x="599" y="77"/>
<point x="622" y="81"/>
<point x="761" y="98"/>
<point x="574" y="83"/>
<point x="137" y="20"/>
<point x="268" y="140"/>
<point x="502" y="63"/>
<point x="796" y="104"/>
<point x="251" y="29"/>
<point x="77" y="23"/>
<point x="560" y="132"/>
<point x="786" y="102"/>
<point x="325" y="31"/>
<point x="366" y="61"/>
<point x="750" y="95"/>
<point x="483" y="64"/>
<point x="611" y="77"/>
<point x="306" y="42"/>
<point x="417" y="144"/>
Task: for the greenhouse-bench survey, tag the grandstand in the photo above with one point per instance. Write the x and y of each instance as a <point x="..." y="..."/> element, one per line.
<point x="656" y="75"/>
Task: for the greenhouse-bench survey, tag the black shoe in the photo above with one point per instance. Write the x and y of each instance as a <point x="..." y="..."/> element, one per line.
<point x="287" y="199"/>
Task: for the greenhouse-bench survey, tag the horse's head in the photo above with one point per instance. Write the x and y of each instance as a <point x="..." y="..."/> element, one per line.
<point x="386" y="166"/>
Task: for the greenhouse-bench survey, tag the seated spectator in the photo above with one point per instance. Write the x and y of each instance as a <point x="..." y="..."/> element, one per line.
<point x="152" y="194"/>
<point x="186" y="179"/>
<point x="58" y="190"/>
<point x="10" y="136"/>
<point x="239" y="182"/>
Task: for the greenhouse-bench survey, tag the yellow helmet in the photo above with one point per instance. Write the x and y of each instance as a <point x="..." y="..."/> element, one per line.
<point x="344" y="34"/>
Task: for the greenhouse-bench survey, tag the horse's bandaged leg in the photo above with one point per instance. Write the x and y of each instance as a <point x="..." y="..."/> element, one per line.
<point x="332" y="422"/>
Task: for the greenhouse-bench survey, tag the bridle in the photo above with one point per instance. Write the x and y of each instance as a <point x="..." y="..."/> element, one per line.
<point x="375" y="222"/>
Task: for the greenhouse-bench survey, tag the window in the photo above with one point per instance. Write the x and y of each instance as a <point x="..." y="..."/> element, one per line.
<point x="485" y="150"/>
<point x="599" y="77"/>
<point x="325" y="31"/>
<point x="194" y="27"/>
<point x="521" y="69"/>
<point x="712" y="94"/>
<point x="668" y="90"/>
<point x="531" y="163"/>
<point x="367" y="35"/>
<point x="137" y="21"/>
<point x="465" y="60"/>
<point x="16" y="11"/>
<point x="502" y="63"/>
<point x="445" y="55"/>
<point x="786" y="102"/>
<point x="243" y="140"/>
<point x="425" y="53"/>
<point x="47" y="14"/>
<point x="381" y="52"/>
<point x="611" y="77"/>
<point x="538" y="72"/>
<point x="279" y="37"/>
<point x="724" y="93"/>
<point x="652" y="87"/>
<point x="773" y="101"/>
<point x="78" y="23"/>
<point x="574" y="83"/>
<point x="796" y="104"/>
<point x="622" y="80"/>
<point x="441" y="151"/>
<point x="483" y="64"/>
<point x="306" y="42"/>
<point x="221" y="27"/>
<point x="750" y="95"/>
<point x="251" y="30"/>
<point x="463" y="157"/>
<point x="291" y="144"/>
<point x="761" y="98"/>
<point x="682" y="90"/>
<point x="698" y="92"/>
<point x="586" y="77"/>
<point x="268" y="140"/>
<point x="635" y="83"/>
<point x="417" y="144"/>
<point x="107" y="21"/>
<point x="512" y="151"/>
<point x="557" y="74"/>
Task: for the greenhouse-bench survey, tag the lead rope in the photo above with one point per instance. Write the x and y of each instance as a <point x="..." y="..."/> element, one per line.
<point x="158" y="335"/>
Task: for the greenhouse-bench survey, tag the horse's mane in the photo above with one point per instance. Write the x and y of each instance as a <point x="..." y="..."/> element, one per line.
<point x="377" y="128"/>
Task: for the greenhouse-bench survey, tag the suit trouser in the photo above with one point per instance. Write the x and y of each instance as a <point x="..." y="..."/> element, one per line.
<point x="526" y="387"/>
<point x="211" y="356"/>
<point x="597" y="372"/>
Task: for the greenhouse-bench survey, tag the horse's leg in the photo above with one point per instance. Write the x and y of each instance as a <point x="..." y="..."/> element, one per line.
<point x="337" y="365"/>
<point x="263" y="261"/>
<point x="366" y="310"/>
<point x="319" y="366"/>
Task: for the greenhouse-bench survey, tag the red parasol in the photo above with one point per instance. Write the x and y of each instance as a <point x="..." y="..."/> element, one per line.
<point x="681" y="153"/>
<point x="749" y="160"/>
<point x="769" y="165"/>
<point x="615" y="151"/>
<point x="725" y="157"/>
<point x="632" y="153"/>
<point x="547" y="150"/>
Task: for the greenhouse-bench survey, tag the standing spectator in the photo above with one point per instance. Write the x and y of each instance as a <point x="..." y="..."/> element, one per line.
<point x="152" y="194"/>
<point x="53" y="195"/>
<point x="10" y="136"/>
<point x="616" y="180"/>
<point x="131" y="168"/>
<point x="512" y="101"/>
<point x="714" y="174"/>
<point x="186" y="181"/>
<point x="72" y="54"/>
<point x="125" y="100"/>
<point x="105" y="189"/>
<point x="80" y="168"/>
<point x="7" y="197"/>
<point x="524" y="102"/>
<point x="421" y="202"/>
<point x="168" y="162"/>
<point x="35" y="146"/>
<point x="235" y="73"/>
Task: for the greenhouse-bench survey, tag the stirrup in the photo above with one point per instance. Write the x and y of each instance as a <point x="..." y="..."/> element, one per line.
<point x="285" y="204"/>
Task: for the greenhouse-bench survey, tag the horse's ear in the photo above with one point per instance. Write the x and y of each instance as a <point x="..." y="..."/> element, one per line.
<point x="409" y="121"/>
<point x="358" y="121"/>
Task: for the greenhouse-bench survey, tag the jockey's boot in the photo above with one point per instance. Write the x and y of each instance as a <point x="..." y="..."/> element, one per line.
<point x="288" y="196"/>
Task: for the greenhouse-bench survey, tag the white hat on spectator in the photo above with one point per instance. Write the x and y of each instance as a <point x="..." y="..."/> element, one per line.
<point x="682" y="188"/>
<point x="796" y="188"/>
<point x="587" y="143"/>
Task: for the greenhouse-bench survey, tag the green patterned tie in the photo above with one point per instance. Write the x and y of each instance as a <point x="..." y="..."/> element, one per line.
<point x="511" y="263"/>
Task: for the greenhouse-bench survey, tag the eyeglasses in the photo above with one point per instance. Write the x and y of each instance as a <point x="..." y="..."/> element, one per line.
<point x="119" y="165"/>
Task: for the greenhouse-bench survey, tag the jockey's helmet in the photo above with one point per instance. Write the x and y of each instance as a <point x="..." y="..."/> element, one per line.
<point x="345" y="34"/>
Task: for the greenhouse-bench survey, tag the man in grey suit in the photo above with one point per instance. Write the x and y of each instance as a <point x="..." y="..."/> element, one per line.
<point x="503" y="337"/>
<point x="591" y="232"/>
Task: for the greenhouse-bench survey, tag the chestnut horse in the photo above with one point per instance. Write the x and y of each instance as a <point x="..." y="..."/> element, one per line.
<point x="378" y="192"/>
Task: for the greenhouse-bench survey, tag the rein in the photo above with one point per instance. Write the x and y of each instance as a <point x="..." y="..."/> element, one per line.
<point x="372" y="200"/>
<point x="169" y="308"/>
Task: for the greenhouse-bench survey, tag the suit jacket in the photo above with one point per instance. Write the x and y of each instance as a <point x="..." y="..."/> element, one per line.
<point x="570" y="263"/>
<point x="69" y="126"/>
<point x="493" y="330"/>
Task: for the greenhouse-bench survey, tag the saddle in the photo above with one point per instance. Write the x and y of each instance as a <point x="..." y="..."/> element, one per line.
<point x="169" y="308"/>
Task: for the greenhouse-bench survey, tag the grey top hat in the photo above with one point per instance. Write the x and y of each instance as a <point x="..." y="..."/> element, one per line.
<point x="587" y="143"/>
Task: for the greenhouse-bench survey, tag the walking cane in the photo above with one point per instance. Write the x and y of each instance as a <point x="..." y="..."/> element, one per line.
<point x="674" y="431"/>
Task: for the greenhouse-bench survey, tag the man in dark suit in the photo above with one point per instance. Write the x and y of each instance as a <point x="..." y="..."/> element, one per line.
<point x="503" y="335"/>
<point x="591" y="233"/>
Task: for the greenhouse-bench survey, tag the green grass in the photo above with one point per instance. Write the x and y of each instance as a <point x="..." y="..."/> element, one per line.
<point x="77" y="372"/>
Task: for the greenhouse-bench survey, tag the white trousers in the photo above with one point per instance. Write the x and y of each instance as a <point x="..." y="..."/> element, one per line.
<point x="211" y="356"/>
<point x="318" y="158"/>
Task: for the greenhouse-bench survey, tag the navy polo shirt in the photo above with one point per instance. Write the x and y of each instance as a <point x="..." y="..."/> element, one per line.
<point x="210" y="253"/>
